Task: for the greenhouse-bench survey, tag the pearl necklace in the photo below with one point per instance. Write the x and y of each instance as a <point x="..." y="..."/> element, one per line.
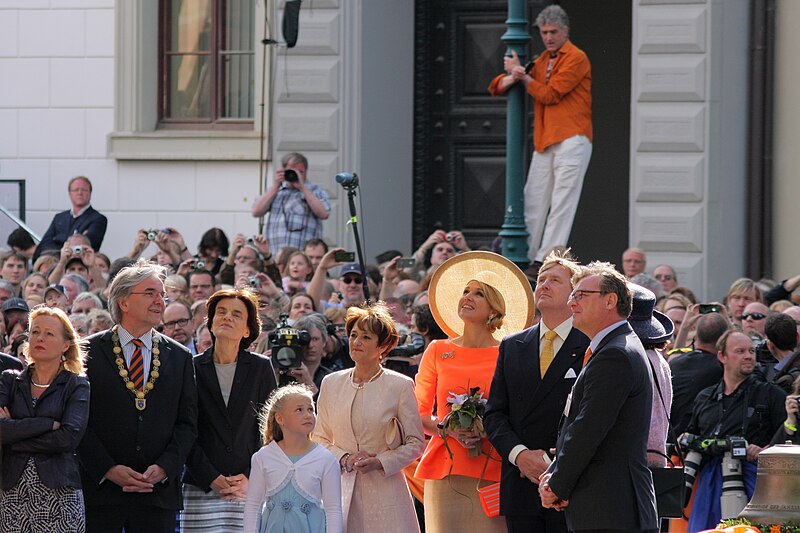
<point x="359" y="386"/>
<point x="139" y="396"/>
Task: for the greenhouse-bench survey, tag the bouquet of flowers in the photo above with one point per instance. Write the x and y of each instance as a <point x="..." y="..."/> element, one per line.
<point x="466" y="412"/>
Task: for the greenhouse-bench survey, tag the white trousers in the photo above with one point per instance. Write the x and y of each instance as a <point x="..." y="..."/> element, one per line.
<point x="552" y="193"/>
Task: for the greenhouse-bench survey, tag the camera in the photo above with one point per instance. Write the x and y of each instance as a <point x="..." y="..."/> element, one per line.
<point x="199" y="265"/>
<point x="77" y="250"/>
<point x="713" y="447"/>
<point x="254" y="281"/>
<point x="410" y="345"/>
<point x="705" y="309"/>
<point x="451" y="237"/>
<point x="290" y="175"/>
<point x="251" y="241"/>
<point x="286" y="344"/>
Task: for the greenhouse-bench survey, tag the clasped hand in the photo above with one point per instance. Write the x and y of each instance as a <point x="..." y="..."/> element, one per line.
<point x="132" y="481"/>
<point x="549" y="498"/>
<point x="231" y="487"/>
<point x="363" y="462"/>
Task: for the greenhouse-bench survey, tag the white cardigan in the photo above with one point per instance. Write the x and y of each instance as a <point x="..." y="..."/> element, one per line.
<point x="316" y="476"/>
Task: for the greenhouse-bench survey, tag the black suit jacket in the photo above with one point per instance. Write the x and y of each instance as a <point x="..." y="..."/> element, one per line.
<point x="9" y="362"/>
<point x="91" y="223"/>
<point x="228" y="436"/>
<point x="601" y="467"/>
<point x="118" y="433"/>
<point x="525" y="409"/>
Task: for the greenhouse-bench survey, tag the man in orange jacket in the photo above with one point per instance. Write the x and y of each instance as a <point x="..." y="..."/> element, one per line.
<point x="560" y="82"/>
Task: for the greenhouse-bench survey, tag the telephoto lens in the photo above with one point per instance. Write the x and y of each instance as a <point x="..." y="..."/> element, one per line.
<point x="290" y="175"/>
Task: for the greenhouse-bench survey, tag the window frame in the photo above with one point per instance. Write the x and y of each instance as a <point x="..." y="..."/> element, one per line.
<point x="136" y="135"/>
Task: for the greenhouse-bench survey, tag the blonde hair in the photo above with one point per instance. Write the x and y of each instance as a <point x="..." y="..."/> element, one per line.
<point x="268" y="426"/>
<point x="496" y="303"/>
<point x="75" y="355"/>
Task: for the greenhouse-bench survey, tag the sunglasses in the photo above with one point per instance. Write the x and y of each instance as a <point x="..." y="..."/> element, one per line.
<point x="349" y="280"/>
<point x="754" y="316"/>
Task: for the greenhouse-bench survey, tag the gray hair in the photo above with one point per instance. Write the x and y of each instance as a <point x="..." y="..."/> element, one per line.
<point x="313" y="320"/>
<point x="552" y="14"/>
<point x="648" y="282"/>
<point x="98" y="316"/>
<point x="8" y="286"/>
<point x="78" y="280"/>
<point x="127" y="279"/>
<point x="88" y="296"/>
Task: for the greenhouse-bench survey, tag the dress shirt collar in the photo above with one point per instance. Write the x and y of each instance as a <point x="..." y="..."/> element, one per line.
<point x="603" y="333"/>
<point x="562" y="330"/>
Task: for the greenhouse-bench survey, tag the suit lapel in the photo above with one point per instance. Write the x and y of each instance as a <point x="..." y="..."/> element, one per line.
<point x="528" y="361"/>
<point x="564" y="360"/>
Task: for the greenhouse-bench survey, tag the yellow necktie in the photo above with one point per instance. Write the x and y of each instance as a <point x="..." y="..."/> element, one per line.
<point x="547" y="352"/>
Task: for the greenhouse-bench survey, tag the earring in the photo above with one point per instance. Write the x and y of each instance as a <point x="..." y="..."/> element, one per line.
<point x="63" y="358"/>
<point x="489" y="320"/>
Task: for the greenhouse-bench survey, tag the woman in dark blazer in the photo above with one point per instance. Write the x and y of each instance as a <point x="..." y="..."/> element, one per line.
<point x="232" y="385"/>
<point x="43" y="414"/>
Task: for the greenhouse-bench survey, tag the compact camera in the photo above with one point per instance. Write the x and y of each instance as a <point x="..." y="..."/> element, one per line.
<point x="77" y="250"/>
<point x="254" y="281"/>
<point x="199" y="265"/>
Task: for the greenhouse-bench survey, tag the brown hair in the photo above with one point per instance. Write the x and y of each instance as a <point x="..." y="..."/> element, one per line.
<point x="250" y="301"/>
<point x="377" y="320"/>
<point x="268" y="427"/>
<point x="75" y="355"/>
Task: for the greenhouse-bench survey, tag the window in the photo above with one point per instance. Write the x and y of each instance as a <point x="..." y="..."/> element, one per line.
<point x="206" y="64"/>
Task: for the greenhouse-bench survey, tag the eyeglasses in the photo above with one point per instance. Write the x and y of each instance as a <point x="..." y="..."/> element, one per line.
<point x="349" y="280"/>
<point x="152" y="294"/>
<point x="181" y="322"/>
<point x="580" y="294"/>
<point x="664" y="277"/>
<point x="754" y="316"/>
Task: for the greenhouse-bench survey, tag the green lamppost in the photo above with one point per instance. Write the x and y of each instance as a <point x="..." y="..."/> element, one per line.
<point x="514" y="232"/>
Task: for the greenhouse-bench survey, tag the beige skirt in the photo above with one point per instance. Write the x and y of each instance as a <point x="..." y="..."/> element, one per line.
<point x="452" y="504"/>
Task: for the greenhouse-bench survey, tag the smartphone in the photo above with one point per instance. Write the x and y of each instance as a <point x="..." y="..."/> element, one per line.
<point x="345" y="257"/>
<point x="704" y="309"/>
<point x="406" y="262"/>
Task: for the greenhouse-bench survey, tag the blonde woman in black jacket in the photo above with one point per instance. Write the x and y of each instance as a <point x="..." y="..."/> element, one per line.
<point x="43" y="414"/>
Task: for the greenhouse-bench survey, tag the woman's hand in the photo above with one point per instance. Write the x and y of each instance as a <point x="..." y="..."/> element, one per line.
<point x="465" y="437"/>
<point x="5" y="414"/>
<point x="238" y="484"/>
<point x="363" y="462"/>
<point x="368" y="464"/>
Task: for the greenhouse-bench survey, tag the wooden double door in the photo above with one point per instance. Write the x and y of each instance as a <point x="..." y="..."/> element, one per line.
<point x="460" y="131"/>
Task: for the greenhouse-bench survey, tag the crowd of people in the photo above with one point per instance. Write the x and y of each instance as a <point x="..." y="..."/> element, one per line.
<point x="194" y="422"/>
<point x="249" y="384"/>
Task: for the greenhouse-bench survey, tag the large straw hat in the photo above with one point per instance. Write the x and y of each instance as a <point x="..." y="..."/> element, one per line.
<point x="449" y="280"/>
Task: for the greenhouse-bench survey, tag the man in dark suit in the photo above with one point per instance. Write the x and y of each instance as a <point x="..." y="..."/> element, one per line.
<point x="82" y="219"/>
<point x="143" y="412"/>
<point x="600" y="477"/>
<point x="9" y="362"/>
<point x="535" y="372"/>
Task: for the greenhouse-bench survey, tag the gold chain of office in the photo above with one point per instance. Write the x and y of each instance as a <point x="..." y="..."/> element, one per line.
<point x="139" y="396"/>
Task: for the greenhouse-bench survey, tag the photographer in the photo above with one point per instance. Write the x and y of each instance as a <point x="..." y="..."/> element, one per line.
<point x="248" y="250"/>
<point x="788" y="431"/>
<point x="78" y="247"/>
<point x="738" y="406"/>
<point x="296" y="206"/>
<point x="438" y="248"/>
<point x="311" y="371"/>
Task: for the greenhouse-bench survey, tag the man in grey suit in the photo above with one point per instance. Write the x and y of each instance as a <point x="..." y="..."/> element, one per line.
<point x="535" y="371"/>
<point x="600" y="477"/>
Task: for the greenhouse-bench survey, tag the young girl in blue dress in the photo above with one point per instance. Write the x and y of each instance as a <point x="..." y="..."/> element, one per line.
<point x="295" y="485"/>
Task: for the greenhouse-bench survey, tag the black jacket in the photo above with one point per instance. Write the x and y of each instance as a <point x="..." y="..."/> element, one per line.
<point x="90" y="223"/>
<point x="118" y="433"/>
<point x="525" y="409"/>
<point x="228" y="436"/>
<point x="29" y="432"/>
<point x="9" y="362"/>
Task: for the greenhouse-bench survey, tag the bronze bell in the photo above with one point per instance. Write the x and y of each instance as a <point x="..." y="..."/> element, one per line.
<point x="776" y="499"/>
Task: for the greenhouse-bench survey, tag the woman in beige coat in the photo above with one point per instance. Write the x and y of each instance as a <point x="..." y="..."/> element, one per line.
<point x="368" y="419"/>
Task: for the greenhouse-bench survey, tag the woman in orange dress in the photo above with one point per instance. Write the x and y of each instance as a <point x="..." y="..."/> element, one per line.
<point x="477" y="298"/>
